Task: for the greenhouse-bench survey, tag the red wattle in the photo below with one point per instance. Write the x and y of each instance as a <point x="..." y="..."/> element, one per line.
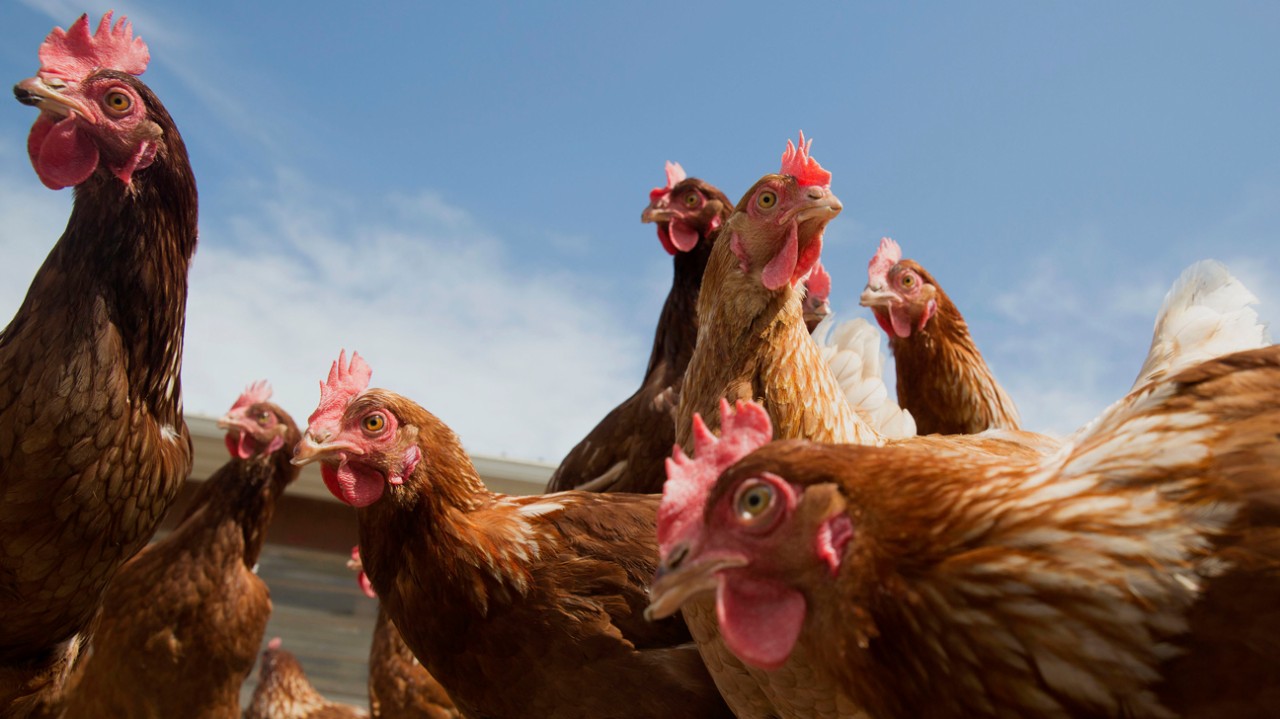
<point x="783" y="265"/>
<point x="664" y="236"/>
<point x="760" y="620"/>
<point x="683" y="237"/>
<point x="62" y="154"/>
<point x="901" y="321"/>
<point x="353" y="484"/>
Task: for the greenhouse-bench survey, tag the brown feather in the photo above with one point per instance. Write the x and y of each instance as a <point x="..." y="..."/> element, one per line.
<point x="93" y="446"/>
<point x="1136" y="573"/>
<point x="399" y="686"/>
<point x="626" y="450"/>
<point x="284" y="692"/>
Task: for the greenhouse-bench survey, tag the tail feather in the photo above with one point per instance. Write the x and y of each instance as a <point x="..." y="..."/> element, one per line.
<point x="852" y="351"/>
<point x="1206" y="314"/>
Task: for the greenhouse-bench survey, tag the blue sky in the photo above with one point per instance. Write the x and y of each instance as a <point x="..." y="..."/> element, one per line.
<point x="454" y="189"/>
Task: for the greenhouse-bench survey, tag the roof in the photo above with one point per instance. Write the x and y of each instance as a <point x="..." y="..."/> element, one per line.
<point x="500" y="474"/>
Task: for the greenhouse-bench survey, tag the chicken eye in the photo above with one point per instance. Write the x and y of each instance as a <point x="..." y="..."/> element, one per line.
<point x="767" y="199"/>
<point x="374" y="423"/>
<point x="754" y="499"/>
<point x="908" y="280"/>
<point x="118" y="102"/>
<point x="691" y="200"/>
<point x="263" y="417"/>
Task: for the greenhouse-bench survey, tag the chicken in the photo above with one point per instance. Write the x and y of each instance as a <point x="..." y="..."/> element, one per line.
<point x="753" y="344"/>
<point x="1134" y="573"/>
<point x="942" y="378"/>
<point x="399" y="686"/>
<point x="284" y="692"/>
<point x="93" y="446"/>
<point x="181" y="623"/>
<point x="817" y="297"/>
<point x="519" y="606"/>
<point x="625" y="451"/>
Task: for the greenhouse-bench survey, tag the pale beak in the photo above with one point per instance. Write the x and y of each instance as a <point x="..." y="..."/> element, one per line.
<point x="876" y="297"/>
<point x="657" y="214"/>
<point x="47" y="95"/>
<point x="820" y="203"/>
<point x="309" y="450"/>
<point x="678" y="580"/>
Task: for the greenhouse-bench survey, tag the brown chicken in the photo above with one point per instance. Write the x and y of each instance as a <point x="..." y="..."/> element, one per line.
<point x="625" y="451"/>
<point x="399" y="686"/>
<point x="93" y="446"/>
<point x="1135" y="573"/>
<point x="817" y="297"/>
<point x="284" y="692"/>
<point x="942" y="379"/>
<point x="519" y="606"/>
<point x="181" y="623"/>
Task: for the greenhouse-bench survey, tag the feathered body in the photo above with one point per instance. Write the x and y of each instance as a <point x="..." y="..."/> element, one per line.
<point x="284" y="692"/>
<point x="625" y="451"/>
<point x="941" y="376"/>
<point x="93" y="446"/>
<point x="519" y="606"/>
<point x="399" y="686"/>
<point x="1134" y="573"/>
<point x="181" y="624"/>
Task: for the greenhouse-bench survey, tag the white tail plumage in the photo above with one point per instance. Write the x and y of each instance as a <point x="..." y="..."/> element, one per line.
<point x="852" y="351"/>
<point x="1206" y="314"/>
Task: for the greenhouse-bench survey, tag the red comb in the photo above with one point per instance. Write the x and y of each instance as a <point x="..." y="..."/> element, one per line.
<point x="887" y="255"/>
<point x="675" y="175"/>
<point x="259" y="391"/>
<point x="743" y="429"/>
<point x="346" y="380"/>
<point x="797" y="163"/>
<point x="73" y="54"/>
<point x="818" y="286"/>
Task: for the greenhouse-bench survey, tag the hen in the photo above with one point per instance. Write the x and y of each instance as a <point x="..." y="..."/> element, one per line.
<point x="93" y="446"/>
<point x="181" y="623"/>
<point x="753" y="344"/>
<point x="399" y="686"/>
<point x="625" y="451"/>
<point x="942" y="378"/>
<point x="284" y="692"/>
<point x="519" y="606"/>
<point x="1134" y="573"/>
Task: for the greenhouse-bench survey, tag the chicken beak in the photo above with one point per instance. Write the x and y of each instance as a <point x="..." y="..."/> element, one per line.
<point x="678" y="580"/>
<point x="48" y="96"/>
<point x="821" y="204"/>
<point x="310" y="450"/>
<point x="656" y="214"/>
<point x="876" y="297"/>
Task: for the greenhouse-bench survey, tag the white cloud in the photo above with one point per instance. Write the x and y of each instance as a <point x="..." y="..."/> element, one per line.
<point x="516" y="363"/>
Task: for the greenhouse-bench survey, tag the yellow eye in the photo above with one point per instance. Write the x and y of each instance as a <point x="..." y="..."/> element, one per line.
<point x="908" y="280"/>
<point x="118" y="102"/>
<point x="691" y="200"/>
<point x="374" y="423"/>
<point x="767" y="199"/>
<point x="263" y="417"/>
<point x="754" y="499"/>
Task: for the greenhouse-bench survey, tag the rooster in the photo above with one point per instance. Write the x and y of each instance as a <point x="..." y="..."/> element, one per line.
<point x="284" y="692"/>
<point x="181" y="623"/>
<point x="625" y="451"/>
<point x="942" y="379"/>
<point x="1135" y="572"/>
<point x="399" y="686"/>
<point x="93" y="446"/>
<point x="519" y="606"/>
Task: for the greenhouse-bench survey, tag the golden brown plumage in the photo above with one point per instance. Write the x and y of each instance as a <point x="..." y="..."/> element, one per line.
<point x="93" y="446"/>
<point x="181" y="623"/>
<point x="284" y="692"/>
<point x="942" y="378"/>
<point x="519" y="606"/>
<point x="1134" y="573"/>
<point x="625" y="451"/>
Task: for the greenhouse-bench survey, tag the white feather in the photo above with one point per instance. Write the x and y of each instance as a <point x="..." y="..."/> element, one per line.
<point x="1206" y="314"/>
<point x="852" y="351"/>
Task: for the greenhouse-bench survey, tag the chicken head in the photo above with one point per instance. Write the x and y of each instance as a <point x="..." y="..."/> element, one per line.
<point x="254" y="426"/>
<point x="683" y="210"/>
<point x="901" y="294"/>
